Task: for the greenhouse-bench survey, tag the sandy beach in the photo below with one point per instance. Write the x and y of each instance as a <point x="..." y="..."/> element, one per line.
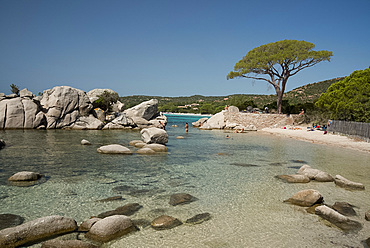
<point x="319" y="137"/>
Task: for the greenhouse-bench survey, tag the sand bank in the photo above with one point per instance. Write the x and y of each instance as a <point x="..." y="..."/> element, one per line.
<point x="319" y="137"/>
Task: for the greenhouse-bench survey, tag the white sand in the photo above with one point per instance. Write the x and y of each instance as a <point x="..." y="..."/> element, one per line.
<point x="319" y="137"/>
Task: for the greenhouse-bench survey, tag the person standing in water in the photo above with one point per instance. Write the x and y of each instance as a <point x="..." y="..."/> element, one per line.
<point x="186" y="127"/>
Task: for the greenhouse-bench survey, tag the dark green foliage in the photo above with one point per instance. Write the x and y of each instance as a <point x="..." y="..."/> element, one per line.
<point x="297" y="99"/>
<point x="14" y="89"/>
<point x="106" y="100"/>
<point x="276" y="62"/>
<point x="348" y="99"/>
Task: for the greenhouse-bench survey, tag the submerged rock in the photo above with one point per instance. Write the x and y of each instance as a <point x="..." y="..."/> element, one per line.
<point x="199" y="218"/>
<point x="181" y="198"/>
<point x="110" y="228"/>
<point x="10" y="220"/>
<point x="113" y="198"/>
<point x="36" y="230"/>
<point x="165" y="222"/>
<point x="338" y="219"/>
<point x="128" y="209"/>
<point x="367" y="215"/>
<point x="56" y="243"/>
<point x="344" y="208"/>
<point x="145" y="150"/>
<point x="87" y="224"/>
<point x="2" y="143"/>
<point x="295" y="178"/>
<point x="306" y="198"/>
<point x="157" y="147"/>
<point x="345" y="183"/>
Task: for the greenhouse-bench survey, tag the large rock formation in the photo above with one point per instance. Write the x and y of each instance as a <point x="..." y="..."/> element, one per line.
<point x="67" y="107"/>
<point x="232" y="119"/>
<point x="147" y="110"/>
<point x="64" y="105"/>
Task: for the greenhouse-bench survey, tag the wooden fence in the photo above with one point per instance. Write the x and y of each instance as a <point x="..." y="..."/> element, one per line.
<point x="357" y="129"/>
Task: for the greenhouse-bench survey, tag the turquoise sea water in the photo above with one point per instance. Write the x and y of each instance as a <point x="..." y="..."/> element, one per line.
<point x="233" y="178"/>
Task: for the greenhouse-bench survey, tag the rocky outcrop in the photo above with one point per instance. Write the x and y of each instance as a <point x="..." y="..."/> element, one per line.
<point x="64" y="105"/>
<point x="36" y="230"/>
<point x="231" y="119"/>
<point x="94" y="94"/>
<point x="70" y="108"/>
<point x="154" y="135"/>
<point x="110" y="228"/>
<point x="147" y="110"/>
<point x="200" y="122"/>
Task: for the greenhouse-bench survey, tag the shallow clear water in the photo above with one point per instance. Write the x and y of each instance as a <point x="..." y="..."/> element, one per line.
<point x="246" y="202"/>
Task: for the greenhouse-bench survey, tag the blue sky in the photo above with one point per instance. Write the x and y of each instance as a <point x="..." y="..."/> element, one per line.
<point x="170" y="48"/>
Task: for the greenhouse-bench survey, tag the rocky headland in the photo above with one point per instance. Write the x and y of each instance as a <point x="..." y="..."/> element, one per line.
<point x="64" y="107"/>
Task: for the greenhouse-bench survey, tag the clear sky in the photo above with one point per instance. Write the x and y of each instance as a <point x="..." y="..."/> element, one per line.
<point x="170" y="48"/>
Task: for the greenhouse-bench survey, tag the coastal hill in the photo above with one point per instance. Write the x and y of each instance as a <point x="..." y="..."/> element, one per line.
<point x="304" y="94"/>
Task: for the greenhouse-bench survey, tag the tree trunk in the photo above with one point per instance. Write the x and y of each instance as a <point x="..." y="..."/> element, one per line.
<point x="279" y="100"/>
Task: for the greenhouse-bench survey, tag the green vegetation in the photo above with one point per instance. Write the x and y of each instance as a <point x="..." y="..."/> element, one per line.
<point x="300" y="98"/>
<point x="348" y="99"/>
<point x="106" y="100"/>
<point x="14" y="89"/>
<point x="276" y="62"/>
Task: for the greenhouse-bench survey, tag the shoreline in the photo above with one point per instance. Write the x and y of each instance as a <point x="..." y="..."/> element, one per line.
<point x="318" y="137"/>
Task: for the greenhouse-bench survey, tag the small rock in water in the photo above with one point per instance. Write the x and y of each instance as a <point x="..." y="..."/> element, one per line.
<point x="180" y="137"/>
<point x="10" y="220"/>
<point x="295" y="178"/>
<point x="344" y="208"/>
<point x="367" y="215"/>
<point x="141" y="223"/>
<point x="145" y="151"/>
<point x="128" y="209"/>
<point x="347" y="184"/>
<point x="114" y="149"/>
<point x="244" y="165"/>
<point x="165" y="222"/>
<point x="338" y="219"/>
<point x="306" y="198"/>
<point x="113" y="198"/>
<point x="199" y="218"/>
<point x="181" y="198"/>
<point x="110" y="228"/>
<point x="2" y="143"/>
<point x="85" y="142"/>
<point x="87" y="224"/>
<point x="25" y="176"/>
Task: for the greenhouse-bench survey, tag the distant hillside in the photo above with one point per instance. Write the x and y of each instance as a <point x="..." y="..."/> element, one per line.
<point x="304" y="94"/>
